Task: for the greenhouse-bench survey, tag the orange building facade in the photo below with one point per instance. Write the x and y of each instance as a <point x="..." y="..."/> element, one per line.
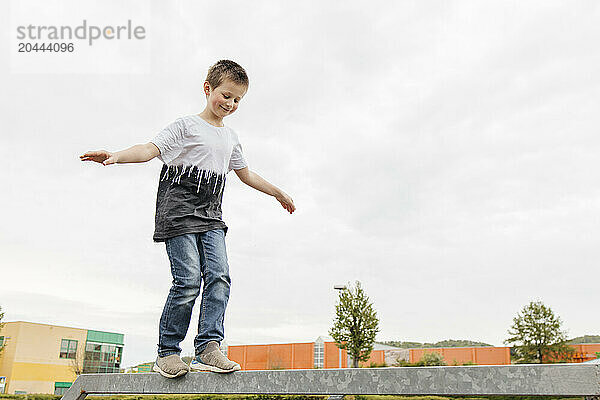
<point x="586" y="352"/>
<point x="463" y="355"/>
<point x="319" y="354"/>
<point x="325" y="354"/>
<point x="273" y="356"/>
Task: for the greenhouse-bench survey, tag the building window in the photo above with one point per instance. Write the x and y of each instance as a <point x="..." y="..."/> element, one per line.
<point x="319" y="354"/>
<point x="61" y="387"/>
<point x="102" y="358"/>
<point x="68" y="349"/>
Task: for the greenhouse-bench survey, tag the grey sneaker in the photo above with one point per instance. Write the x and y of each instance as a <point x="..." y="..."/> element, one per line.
<point x="211" y="359"/>
<point x="170" y="366"/>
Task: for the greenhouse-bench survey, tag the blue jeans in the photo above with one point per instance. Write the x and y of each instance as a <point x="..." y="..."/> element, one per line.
<point x="195" y="257"/>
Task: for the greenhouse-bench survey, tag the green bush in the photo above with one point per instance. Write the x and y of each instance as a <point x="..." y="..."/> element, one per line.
<point x="377" y="365"/>
<point x="431" y="359"/>
<point x="403" y="363"/>
<point x="428" y="360"/>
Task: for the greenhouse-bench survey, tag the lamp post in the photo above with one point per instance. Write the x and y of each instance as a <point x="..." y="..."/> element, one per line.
<point x="340" y="287"/>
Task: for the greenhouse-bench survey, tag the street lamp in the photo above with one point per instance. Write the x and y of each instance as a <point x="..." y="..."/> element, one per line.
<point x="340" y="287"/>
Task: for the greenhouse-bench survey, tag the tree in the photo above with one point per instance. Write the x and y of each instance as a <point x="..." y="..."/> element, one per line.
<point x="355" y="324"/>
<point x="76" y="365"/>
<point x="430" y="359"/>
<point x="537" y="335"/>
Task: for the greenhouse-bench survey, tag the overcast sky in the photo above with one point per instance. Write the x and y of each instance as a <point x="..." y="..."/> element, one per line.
<point x="443" y="153"/>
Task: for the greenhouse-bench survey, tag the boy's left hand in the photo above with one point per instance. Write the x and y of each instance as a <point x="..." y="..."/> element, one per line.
<point x="286" y="201"/>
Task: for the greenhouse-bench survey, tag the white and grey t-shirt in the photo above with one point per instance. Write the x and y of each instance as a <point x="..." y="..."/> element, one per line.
<point x="196" y="157"/>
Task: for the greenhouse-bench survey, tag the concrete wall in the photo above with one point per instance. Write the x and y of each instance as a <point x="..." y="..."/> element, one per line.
<point x="393" y="356"/>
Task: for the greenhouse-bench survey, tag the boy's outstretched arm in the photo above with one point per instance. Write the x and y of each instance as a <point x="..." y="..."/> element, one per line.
<point x="255" y="181"/>
<point x="134" y="154"/>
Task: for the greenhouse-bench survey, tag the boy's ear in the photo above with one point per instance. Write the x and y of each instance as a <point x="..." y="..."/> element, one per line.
<point x="206" y="88"/>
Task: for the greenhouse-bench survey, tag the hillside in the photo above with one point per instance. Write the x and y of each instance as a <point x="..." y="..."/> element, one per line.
<point x="585" y="339"/>
<point x="470" y="343"/>
<point x="443" y="343"/>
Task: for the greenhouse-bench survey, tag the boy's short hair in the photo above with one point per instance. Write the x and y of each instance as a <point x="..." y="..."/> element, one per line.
<point x="226" y="69"/>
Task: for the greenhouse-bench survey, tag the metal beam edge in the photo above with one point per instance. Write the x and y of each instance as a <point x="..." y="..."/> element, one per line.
<point x="522" y="379"/>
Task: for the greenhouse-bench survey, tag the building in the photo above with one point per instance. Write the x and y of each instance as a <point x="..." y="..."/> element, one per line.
<point x="586" y="352"/>
<point x="466" y="355"/>
<point x="323" y="353"/>
<point x="41" y="358"/>
<point x="145" y="367"/>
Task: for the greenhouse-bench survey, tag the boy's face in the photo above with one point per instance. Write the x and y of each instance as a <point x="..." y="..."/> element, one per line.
<point x="225" y="98"/>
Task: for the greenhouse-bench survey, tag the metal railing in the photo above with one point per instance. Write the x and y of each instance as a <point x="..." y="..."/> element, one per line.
<point x="523" y="379"/>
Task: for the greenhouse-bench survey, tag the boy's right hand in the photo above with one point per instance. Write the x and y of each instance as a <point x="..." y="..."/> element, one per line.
<point x="101" y="156"/>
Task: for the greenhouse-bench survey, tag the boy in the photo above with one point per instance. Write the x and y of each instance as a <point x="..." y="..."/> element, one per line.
<point x="197" y="152"/>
